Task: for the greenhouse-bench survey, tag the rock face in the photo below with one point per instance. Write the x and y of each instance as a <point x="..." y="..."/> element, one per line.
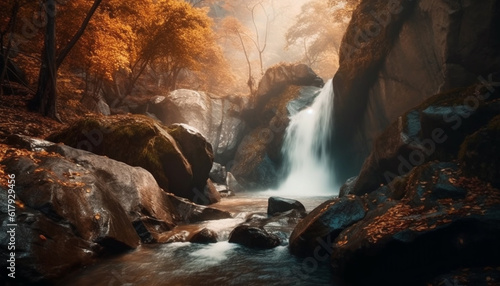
<point x="73" y="205"/>
<point x="179" y="158"/>
<point x="216" y="118"/>
<point x="433" y="130"/>
<point x="284" y="89"/>
<point x="446" y="44"/>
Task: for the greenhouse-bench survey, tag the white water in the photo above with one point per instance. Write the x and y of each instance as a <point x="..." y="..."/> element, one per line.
<point x="309" y="170"/>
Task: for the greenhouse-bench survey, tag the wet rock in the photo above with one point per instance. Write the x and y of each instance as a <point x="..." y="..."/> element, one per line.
<point x="209" y="196"/>
<point x="226" y="193"/>
<point x="253" y="237"/>
<point x="148" y="144"/>
<point x="233" y="184"/>
<point x="74" y="205"/>
<point x="347" y="187"/>
<point x="204" y="236"/>
<point x="443" y="221"/>
<point x="480" y="153"/>
<point x="218" y="173"/>
<point x="189" y="212"/>
<point x="322" y="226"/>
<point x="306" y="96"/>
<point x="277" y="205"/>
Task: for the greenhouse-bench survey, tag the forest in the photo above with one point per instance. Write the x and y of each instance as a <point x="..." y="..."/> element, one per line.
<point x="118" y="49"/>
<point x="249" y="142"/>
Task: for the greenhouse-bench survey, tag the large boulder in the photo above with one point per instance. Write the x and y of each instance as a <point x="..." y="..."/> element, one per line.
<point x="443" y="221"/>
<point x="447" y="44"/>
<point x="141" y="141"/>
<point x="72" y="205"/>
<point x="324" y="224"/>
<point x="215" y="117"/>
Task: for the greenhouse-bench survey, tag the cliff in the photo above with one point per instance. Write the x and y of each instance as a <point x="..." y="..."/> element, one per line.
<point x="395" y="54"/>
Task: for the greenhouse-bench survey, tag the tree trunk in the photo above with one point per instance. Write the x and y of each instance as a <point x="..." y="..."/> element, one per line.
<point x="5" y="53"/>
<point x="46" y="95"/>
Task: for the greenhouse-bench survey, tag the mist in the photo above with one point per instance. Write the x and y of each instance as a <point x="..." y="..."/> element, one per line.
<point x="274" y="18"/>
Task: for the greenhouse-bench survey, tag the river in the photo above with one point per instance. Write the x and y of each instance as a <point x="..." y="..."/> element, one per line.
<point x="221" y="263"/>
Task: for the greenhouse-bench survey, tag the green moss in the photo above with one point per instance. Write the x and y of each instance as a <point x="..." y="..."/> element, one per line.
<point x="134" y="140"/>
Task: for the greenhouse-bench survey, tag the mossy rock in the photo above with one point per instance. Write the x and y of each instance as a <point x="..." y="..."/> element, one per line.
<point x="480" y="153"/>
<point x="138" y="141"/>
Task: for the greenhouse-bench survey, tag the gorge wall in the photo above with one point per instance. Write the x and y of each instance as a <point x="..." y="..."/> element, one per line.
<point x="397" y="53"/>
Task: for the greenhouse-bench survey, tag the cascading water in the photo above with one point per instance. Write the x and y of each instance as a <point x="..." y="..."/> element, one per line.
<point x="305" y="149"/>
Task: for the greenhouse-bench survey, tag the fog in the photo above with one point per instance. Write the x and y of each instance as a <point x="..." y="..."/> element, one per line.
<point x="279" y="16"/>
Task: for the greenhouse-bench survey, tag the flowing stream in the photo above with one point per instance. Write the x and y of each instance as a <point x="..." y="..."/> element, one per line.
<point x="221" y="263"/>
<point x="183" y="263"/>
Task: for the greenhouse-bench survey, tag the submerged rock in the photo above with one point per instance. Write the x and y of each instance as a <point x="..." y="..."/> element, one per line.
<point x="204" y="236"/>
<point x="253" y="237"/>
<point x="277" y="205"/>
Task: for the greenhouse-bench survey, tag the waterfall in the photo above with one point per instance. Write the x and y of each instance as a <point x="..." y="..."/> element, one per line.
<point x="306" y="152"/>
